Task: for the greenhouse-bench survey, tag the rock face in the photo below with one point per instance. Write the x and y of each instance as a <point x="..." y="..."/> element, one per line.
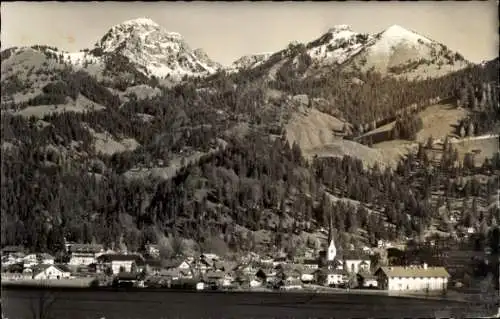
<point x="155" y="50"/>
<point x="249" y="61"/>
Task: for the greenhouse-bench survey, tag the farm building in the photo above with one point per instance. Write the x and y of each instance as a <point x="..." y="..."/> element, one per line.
<point x="414" y="278"/>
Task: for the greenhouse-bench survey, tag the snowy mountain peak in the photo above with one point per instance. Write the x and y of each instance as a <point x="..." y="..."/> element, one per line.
<point x="398" y="32"/>
<point x="338" y="45"/>
<point x="395" y="36"/>
<point x="395" y="51"/>
<point x="154" y="50"/>
<point x="141" y="21"/>
<point x="339" y="28"/>
<point x="396" y="28"/>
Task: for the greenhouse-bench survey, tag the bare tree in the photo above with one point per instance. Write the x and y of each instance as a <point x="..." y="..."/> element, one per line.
<point x="41" y="306"/>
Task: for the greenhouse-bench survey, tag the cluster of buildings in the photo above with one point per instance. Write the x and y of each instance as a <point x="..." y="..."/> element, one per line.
<point x="351" y="269"/>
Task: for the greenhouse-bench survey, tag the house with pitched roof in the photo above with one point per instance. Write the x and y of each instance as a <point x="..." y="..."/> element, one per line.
<point x="38" y="259"/>
<point x="356" y="261"/>
<point x="412" y="278"/>
<point x="44" y="272"/>
<point x="331" y="277"/>
<point x="117" y="263"/>
<point x="83" y="254"/>
<point x="8" y="250"/>
<point x="366" y="279"/>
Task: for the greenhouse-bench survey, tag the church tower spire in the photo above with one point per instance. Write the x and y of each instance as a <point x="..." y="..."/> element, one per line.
<point x="331" y="251"/>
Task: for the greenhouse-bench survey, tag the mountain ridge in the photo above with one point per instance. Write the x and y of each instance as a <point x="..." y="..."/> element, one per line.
<point x="395" y="51"/>
<point x="155" y="51"/>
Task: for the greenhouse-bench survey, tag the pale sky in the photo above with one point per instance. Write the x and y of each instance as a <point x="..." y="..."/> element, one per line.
<point x="227" y="31"/>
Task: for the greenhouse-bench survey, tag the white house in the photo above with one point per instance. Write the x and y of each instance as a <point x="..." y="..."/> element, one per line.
<point x="179" y="265"/>
<point x="83" y="254"/>
<point x="310" y="264"/>
<point x="334" y="277"/>
<point x="200" y="285"/>
<point x="255" y="283"/>
<point x="118" y="263"/>
<point x="307" y="276"/>
<point x="153" y="250"/>
<point x="279" y="261"/>
<point x="266" y="260"/>
<point x="355" y="261"/>
<point x="46" y="259"/>
<point x="45" y="272"/>
<point x="227" y="280"/>
<point x="37" y="259"/>
<point x="12" y="259"/>
<point x="413" y="278"/>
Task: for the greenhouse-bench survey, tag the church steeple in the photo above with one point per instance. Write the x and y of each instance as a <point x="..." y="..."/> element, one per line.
<point x="331" y="251"/>
<point x="330" y="230"/>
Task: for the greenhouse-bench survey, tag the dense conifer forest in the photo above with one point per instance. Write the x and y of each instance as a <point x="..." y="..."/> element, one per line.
<point x="55" y="185"/>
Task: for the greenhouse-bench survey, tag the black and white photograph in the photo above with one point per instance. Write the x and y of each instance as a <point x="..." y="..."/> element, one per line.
<point x="248" y="160"/>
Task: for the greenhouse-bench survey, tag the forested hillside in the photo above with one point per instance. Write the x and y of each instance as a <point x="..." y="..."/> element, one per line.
<point x="57" y="184"/>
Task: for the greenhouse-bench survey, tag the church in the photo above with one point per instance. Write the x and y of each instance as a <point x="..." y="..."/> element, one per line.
<point x="352" y="261"/>
<point x="329" y="255"/>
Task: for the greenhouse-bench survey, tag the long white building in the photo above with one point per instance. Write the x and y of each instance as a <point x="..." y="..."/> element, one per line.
<point x="412" y="278"/>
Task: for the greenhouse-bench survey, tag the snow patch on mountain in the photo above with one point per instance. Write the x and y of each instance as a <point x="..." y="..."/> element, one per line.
<point x="338" y="45"/>
<point x="395" y="36"/>
<point x="404" y="53"/>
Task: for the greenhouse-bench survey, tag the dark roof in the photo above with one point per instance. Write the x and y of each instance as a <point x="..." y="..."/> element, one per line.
<point x="224" y="265"/>
<point x="45" y="256"/>
<point x="63" y="267"/>
<point x="334" y="262"/>
<point x="310" y="262"/>
<point x="128" y="276"/>
<point x="119" y="257"/>
<point x="338" y="272"/>
<point x="174" y="263"/>
<point x="355" y="255"/>
<point x="366" y="275"/>
<point x="214" y="274"/>
<point x="12" y="249"/>
<point x="85" y="248"/>
<point x="169" y="272"/>
<point x="153" y="263"/>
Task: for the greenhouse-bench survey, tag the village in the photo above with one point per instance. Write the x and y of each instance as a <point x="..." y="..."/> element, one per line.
<point x="91" y="265"/>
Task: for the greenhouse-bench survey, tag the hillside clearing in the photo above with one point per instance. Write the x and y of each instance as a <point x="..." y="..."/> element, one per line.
<point x="312" y="128"/>
<point x="80" y="105"/>
<point x="482" y="148"/>
<point x="395" y="150"/>
<point x="439" y="120"/>
<point x="340" y="148"/>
